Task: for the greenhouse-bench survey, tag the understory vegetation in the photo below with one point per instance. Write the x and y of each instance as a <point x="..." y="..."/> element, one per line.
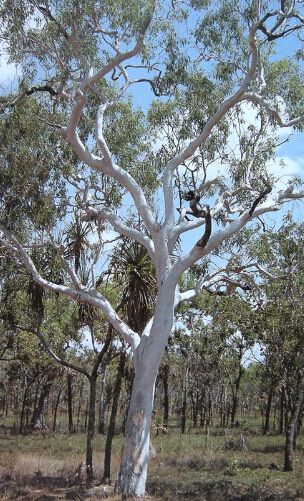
<point x="192" y="466"/>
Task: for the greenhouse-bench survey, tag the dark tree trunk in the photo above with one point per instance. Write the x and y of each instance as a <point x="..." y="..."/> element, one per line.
<point x="209" y="421"/>
<point x="86" y="419"/>
<point x="35" y="400"/>
<point x="282" y="405"/>
<point x="24" y="402"/>
<point x="194" y="410"/>
<point x="166" y="394"/>
<point x="70" y="402"/>
<point x="79" y="406"/>
<point x="292" y="427"/>
<point x="111" y="430"/>
<point x="91" y="425"/>
<point x="266" y="426"/>
<point x="36" y="420"/>
<point x="102" y="407"/>
<point x="235" y="397"/>
<point x="56" y="410"/>
<point x="184" y="402"/>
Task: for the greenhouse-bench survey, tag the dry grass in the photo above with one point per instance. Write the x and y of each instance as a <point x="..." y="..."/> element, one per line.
<point x="190" y="466"/>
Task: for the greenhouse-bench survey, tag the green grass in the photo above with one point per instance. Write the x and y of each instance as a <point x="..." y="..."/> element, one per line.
<point x="190" y="466"/>
<point x="193" y="465"/>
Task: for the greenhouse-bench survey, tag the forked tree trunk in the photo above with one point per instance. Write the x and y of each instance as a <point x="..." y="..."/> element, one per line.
<point x="36" y="420"/>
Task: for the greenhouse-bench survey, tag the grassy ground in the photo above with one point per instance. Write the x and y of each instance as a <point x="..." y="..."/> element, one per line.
<point x="191" y="466"/>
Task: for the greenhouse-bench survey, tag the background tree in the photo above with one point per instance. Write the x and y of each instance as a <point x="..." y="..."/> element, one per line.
<point x="82" y="54"/>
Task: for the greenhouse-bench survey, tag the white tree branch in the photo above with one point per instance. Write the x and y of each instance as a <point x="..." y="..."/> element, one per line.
<point x="204" y="135"/>
<point x="88" y="296"/>
<point x="237" y="224"/>
<point x="123" y="229"/>
<point x="106" y="165"/>
<point x="257" y="99"/>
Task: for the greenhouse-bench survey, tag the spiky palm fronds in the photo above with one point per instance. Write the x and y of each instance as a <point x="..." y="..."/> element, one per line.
<point x="133" y="271"/>
<point x="77" y="240"/>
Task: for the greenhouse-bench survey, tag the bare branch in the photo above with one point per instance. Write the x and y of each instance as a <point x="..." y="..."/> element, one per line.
<point x="119" y="227"/>
<point x="49" y="350"/>
<point x="273" y="113"/>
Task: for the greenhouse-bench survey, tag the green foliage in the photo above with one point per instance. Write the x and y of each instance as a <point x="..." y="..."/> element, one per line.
<point x="286" y="86"/>
<point x="29" y="176"/>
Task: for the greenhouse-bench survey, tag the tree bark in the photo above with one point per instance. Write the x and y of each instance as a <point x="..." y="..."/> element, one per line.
<point x="36" y="420"/>
<point x="70" y="403"/>
<point x="235" y="398"/>
<point x="56" y="409"/>
<point x="102" y="406"/>
<point x="91" y="425"/>
<point x="282" y="403"/>
<point x="184" y="402"/>
<point x="134" y="463"/>
<point x="111" y="430"/>
<point x="291" y="427"/>
<point x="135" y="454"/>
<point x="166" y="394"/>
<point x="80" y="403"/>
<point x="24" y="402"/>
<point x="266" y="426"/>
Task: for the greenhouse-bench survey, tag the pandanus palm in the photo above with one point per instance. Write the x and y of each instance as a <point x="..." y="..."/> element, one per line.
<point x="133" y="271"/>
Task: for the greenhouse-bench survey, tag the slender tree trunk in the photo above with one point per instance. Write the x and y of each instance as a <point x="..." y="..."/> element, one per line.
<point x="91" y="425"/>
<point x="70" y="403"/>
<point x="86" y="419"/>
<point x="79" y="406"/>
<point x="266" y="427"/>
<point x="24" y="401"/>
<point x="209" y="421"/>
<point x="184" y="402"/>
<point x="56" y="409"/>
<point x="35" y="400"/>
<point x="235" y="399"/>
<point x="36" y="420"/>
<point x="194" y="409"/>
<point x="292" y="426"/>
<point x="111" y="430"/>
<point x="282" y="404"/>
<point x="166" y="394"/>
<point x="102" y="406"/>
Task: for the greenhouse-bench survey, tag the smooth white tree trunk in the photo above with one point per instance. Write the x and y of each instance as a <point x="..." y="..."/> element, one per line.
<point x="134" y="462"/>
<point x="135" y="455"/>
